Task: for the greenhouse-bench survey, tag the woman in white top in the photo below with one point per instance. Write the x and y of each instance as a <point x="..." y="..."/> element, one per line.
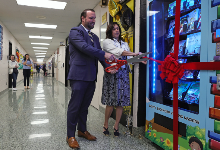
<point x="116" y="87"/>
<point x="13" y="71"/>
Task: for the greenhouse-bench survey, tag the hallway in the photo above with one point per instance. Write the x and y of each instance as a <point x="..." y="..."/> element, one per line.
<point x="35" y="119"/>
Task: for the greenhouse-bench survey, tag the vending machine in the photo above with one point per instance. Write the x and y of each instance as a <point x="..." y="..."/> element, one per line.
<point x="198" y="90"/>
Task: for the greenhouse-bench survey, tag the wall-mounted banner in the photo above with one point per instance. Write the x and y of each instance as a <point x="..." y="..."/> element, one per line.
<point x="1" y="42"/>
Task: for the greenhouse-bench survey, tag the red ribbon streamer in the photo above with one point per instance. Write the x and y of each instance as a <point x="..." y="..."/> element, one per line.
<point x="175" y="85"/>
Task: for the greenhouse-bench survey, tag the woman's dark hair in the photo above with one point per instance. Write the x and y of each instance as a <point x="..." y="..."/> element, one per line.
<point x="10" y="56"/>
<point x="85" y="12"/>
<point x="25" y="57"/>
<point x="195" y="139"/>
<point x="109" y="31"/>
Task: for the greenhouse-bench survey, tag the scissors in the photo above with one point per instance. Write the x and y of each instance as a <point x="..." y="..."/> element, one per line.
<point x="120" y="63"/>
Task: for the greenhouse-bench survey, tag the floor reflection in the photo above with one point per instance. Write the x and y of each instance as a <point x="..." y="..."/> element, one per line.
<point x="35" y="119"/>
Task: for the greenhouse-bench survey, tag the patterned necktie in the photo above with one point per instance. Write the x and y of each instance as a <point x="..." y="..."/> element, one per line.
<point x="91" y="38"/>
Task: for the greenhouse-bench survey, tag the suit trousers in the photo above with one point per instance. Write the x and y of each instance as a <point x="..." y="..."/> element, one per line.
<point x="81" y="97"/>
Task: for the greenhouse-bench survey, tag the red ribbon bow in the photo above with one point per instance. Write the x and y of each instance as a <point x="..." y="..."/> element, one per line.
<point x="171" y="69"/>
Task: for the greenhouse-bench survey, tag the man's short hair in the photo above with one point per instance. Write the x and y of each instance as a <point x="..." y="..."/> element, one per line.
<point x="85" y="12"/>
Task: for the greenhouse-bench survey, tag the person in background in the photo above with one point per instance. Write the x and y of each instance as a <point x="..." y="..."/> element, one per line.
<point x="116" y="87"/>
<point x="38" y="69"/>
<point x="13" y="70"/>
<point x="44" y="69"/>
<point x="27" y="63"/>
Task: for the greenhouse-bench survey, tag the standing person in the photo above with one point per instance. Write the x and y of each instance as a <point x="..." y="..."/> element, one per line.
<point x="116" y="87"/>
<point x="13" y="70"/>
<point x="27" y="63"/>
<point x="44" y="69"/>
<point x="38" y="69"/>
<point x="85" y="51"/>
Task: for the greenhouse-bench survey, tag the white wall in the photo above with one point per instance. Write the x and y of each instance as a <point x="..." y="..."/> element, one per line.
<point x="60" y="67"/>
<point x="49" y="60"/>
<point x="7" y="36"/>
<point x="99" y="11"/>
<point x="59" y="71"/>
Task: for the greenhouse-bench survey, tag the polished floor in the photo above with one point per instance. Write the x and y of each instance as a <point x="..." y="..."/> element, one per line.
<point x="35" y="119"/>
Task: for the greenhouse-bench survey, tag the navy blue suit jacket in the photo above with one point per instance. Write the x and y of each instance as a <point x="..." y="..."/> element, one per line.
<point x="83" y="56"/>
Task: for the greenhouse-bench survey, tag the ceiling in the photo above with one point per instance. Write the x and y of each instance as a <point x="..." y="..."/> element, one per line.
<point x="13" y="16"/>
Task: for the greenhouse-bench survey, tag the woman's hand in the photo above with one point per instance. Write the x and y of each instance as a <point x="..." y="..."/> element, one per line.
<point x="144" y="62"/>
<point x="136" y="54"/>
<point x="113" y="70"/>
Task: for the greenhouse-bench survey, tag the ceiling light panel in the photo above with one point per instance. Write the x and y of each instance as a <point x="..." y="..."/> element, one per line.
<point x="40" y="37"/>
<point x="40" y="43"/>
<point x="40" y="47"/>
<point x="39" y="51"/>
<point x="43" y="3"/>
<point x="40" y="56"/>
<point x="40" y="60"/>
<point x="40" y="25"/>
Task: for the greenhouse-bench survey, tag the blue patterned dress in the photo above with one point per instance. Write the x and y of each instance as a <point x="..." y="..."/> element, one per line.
<point x="116" y="88"/>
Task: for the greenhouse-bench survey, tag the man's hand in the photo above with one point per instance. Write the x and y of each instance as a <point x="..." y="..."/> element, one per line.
<point x="109" y="56"/>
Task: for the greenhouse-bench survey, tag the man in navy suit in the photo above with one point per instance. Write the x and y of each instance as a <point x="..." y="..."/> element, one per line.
<point x="85" y="51"/>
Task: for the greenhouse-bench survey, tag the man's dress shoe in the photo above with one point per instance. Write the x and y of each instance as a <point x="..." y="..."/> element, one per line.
<point x="86" y="135"/>
<point x="72" y="142"/>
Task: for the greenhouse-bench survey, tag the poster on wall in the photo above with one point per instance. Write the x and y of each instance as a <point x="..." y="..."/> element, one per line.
<point x="1" y="42"/>
<point x="19" y="57"/>
<point x="123" y="13"/>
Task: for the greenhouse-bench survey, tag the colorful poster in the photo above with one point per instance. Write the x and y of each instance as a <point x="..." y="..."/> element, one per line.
<point x="19" y="57"/>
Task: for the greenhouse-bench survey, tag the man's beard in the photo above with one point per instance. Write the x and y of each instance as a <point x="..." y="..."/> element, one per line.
<point x="90" y="26"/>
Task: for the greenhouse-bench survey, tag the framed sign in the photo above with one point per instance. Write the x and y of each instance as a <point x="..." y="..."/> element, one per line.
<point x="103" y="29"/>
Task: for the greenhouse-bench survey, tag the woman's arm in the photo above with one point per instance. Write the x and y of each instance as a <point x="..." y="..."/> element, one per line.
<point x="128" y="53"/>
<point x="30" y="65"/>
<point x="108" y="46"/>
<point x="24" y="63"/>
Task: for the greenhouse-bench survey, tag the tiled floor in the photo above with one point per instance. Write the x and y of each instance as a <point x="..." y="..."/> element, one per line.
<point x="35" y="119"/>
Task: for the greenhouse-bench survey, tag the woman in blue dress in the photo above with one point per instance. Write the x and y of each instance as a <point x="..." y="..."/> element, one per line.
<point x="27" y="63"/>
<point x="116" y="87"/>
